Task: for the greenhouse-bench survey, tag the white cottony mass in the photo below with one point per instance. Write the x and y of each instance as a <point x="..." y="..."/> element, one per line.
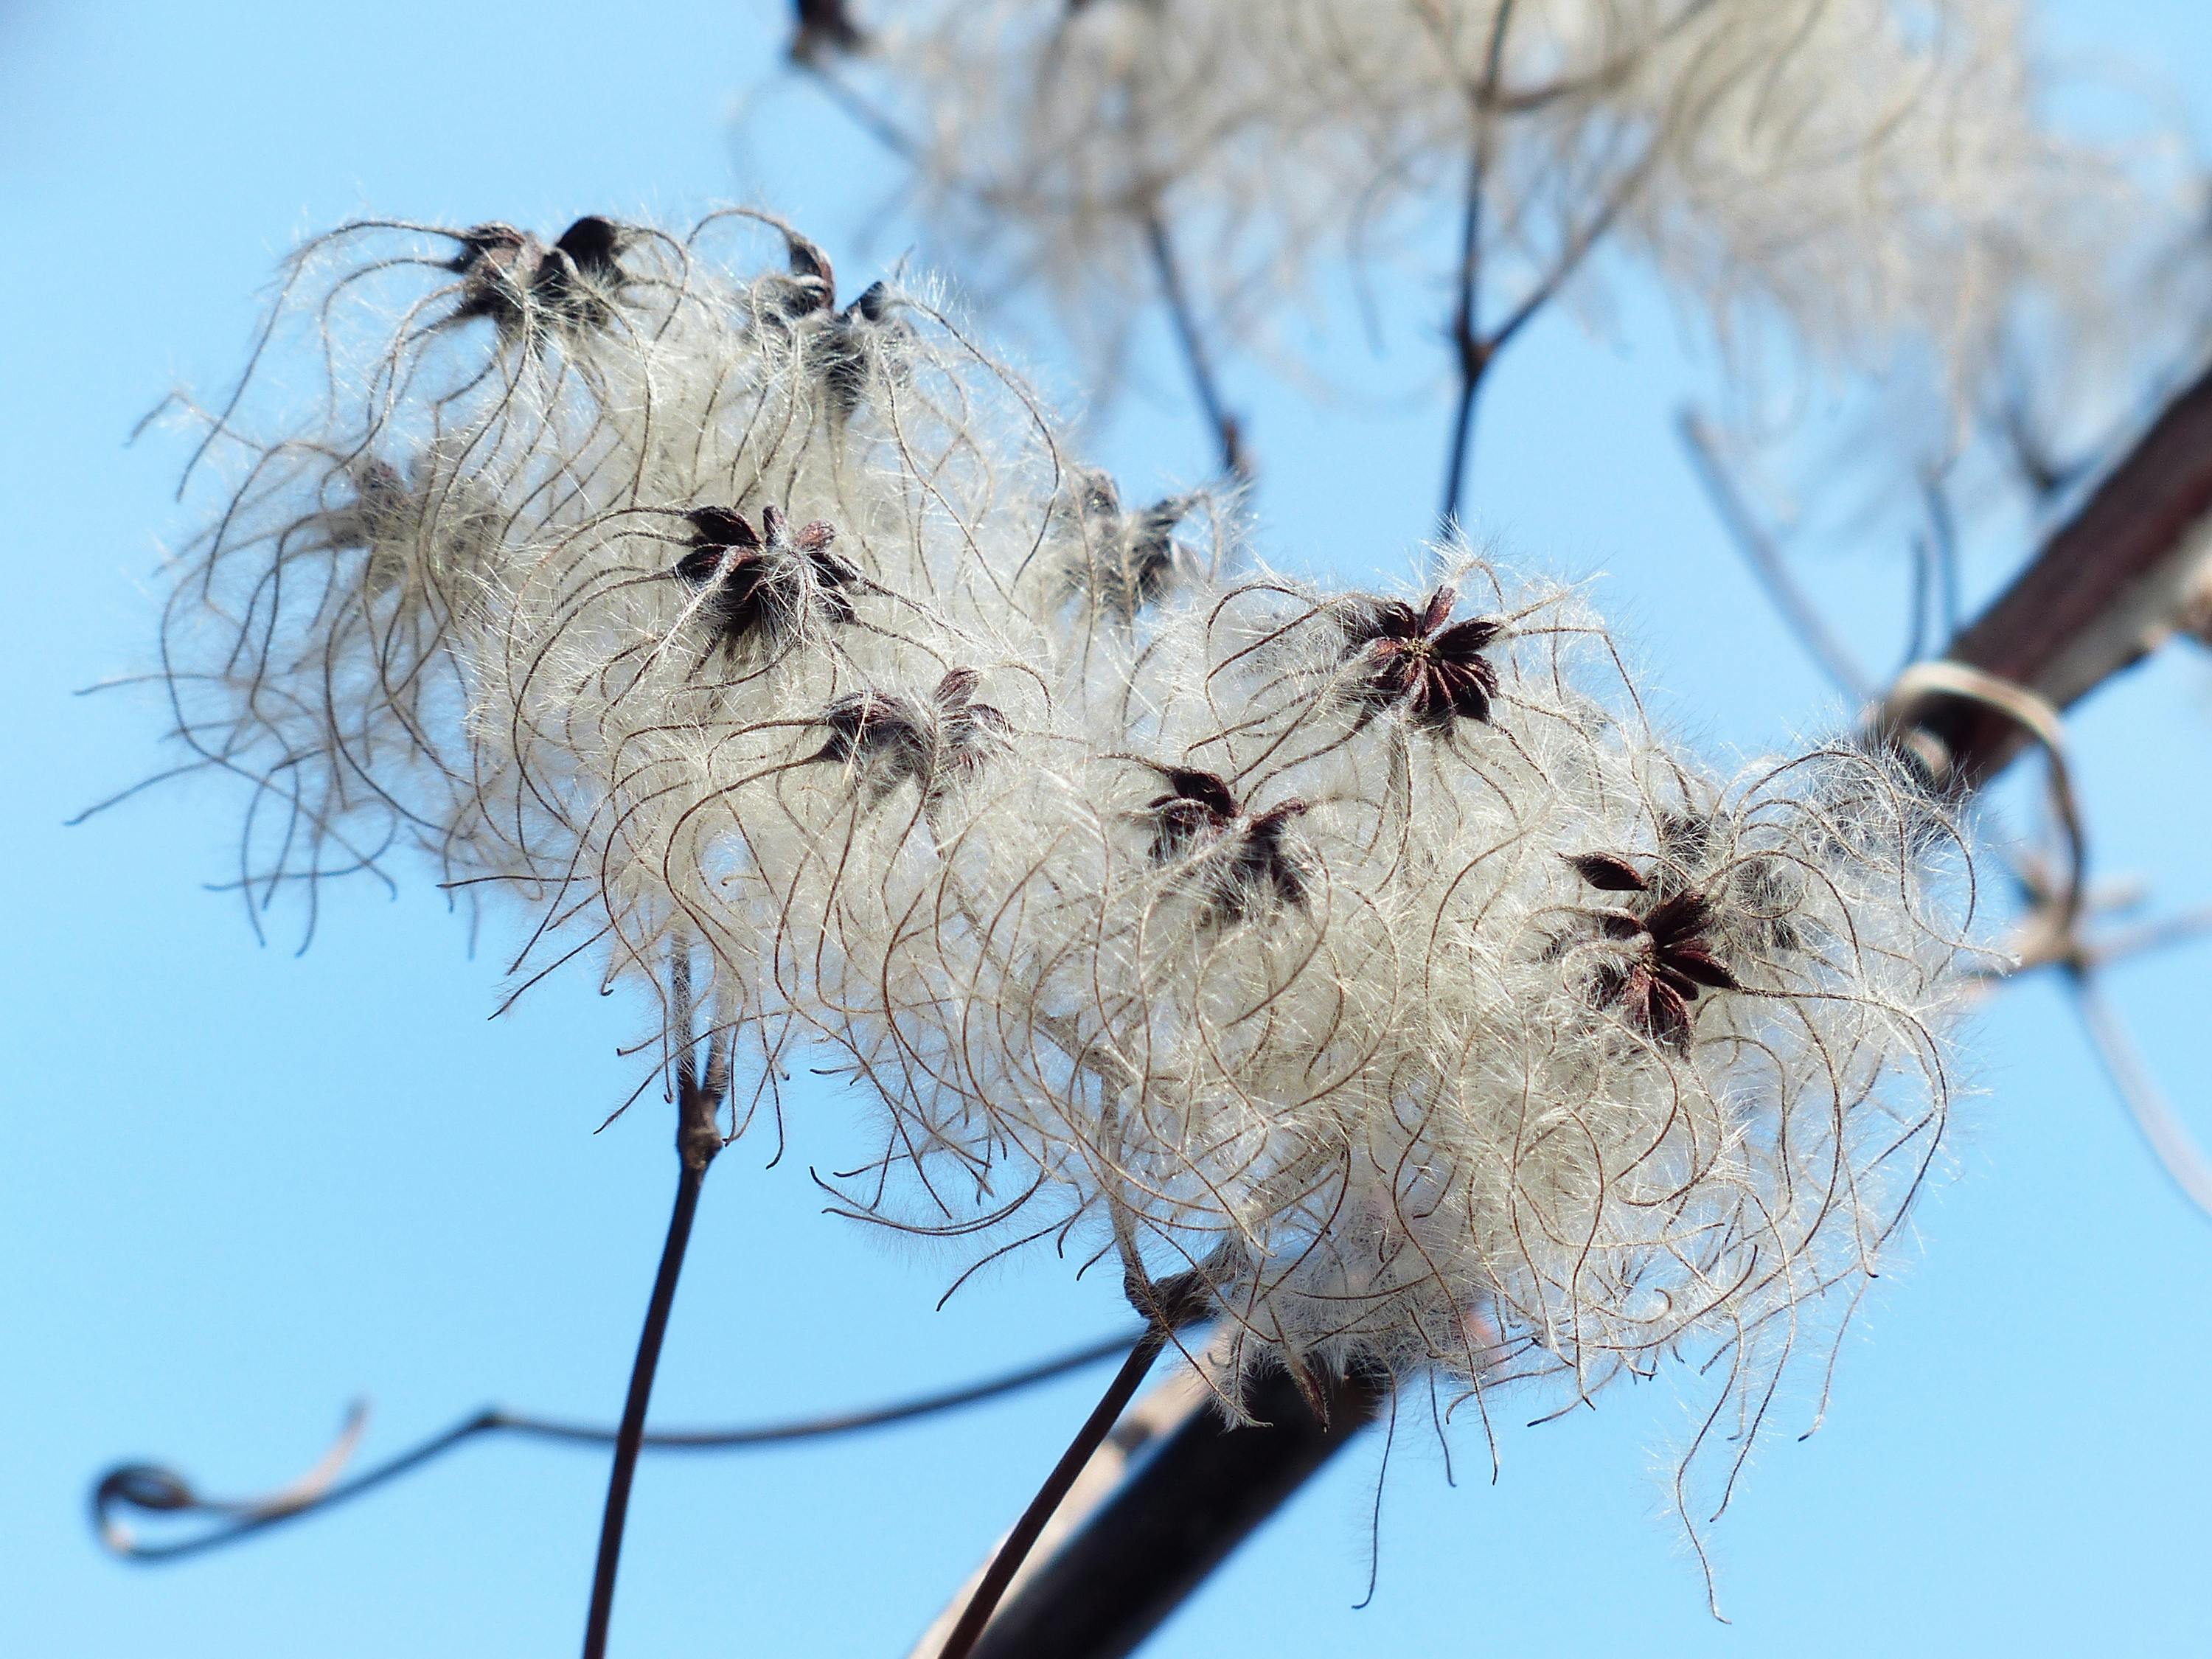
<point x="1866" y="174"/>
<point x="1370" y="956"/>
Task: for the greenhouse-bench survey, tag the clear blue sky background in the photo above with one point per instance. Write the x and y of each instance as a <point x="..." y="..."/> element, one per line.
<point x="238" y="1188"/>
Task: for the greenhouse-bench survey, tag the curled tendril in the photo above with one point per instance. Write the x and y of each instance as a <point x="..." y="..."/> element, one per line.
<point x="152" y="1489"/>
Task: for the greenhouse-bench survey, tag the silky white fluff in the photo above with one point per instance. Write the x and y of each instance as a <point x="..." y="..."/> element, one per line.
<point x="1372" y="956"/>
<point x="1869" y="173"/>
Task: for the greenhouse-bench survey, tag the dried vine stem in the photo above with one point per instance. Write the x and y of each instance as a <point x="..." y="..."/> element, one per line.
<point x="1216" y="1486"/>
<point x="699" y="1092"/>
<point x="1473" y="352"/>
<point x="1018" y="1542"/>
<point x="2180" y="1158"/>
<point x="1228" y="430"/>
<point x="2106" y="589"/>
<point x="1168" y="1307"/>
<point x="155" y="1489"/>
<point x="1752" y="540"/>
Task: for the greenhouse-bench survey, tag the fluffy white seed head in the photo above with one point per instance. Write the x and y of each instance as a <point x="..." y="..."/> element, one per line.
<point x="1869" y="172"/>
<point x="1371" y="957"/>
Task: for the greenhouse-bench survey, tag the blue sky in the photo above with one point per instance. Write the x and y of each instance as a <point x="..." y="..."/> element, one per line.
<point x="240" y="1188"/>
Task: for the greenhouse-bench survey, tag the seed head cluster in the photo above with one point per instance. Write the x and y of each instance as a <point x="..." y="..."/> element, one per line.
<point x="1370" y="956"/>
<point x="1859" y="171"/>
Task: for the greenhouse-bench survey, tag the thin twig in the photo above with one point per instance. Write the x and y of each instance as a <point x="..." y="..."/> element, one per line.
<point x="2056" y="916"/>
<point x="1477" y="360"/>
<point x="1176" y="1515"/>
<point x="1016" y="1547"/>
<point x="2147" y="937"/>
<point x="2045" y="474"/>
<point x="152" y="1488"/>
<point x="1797" y="611"/>
<point x="1228" y="433"/>
<point x="1473" y="358"/>
<point x="2169" y="1142"/>
<point x="698" y="1138"/>
<point x="1168" y="1306"/>
<point x="1473" y="352"/>
<point x="631" y="1435"/>
<point x="1161" y="1411"/>
<point x="858" y="111"/>
<point x="1943" y="527"/>
<point x="2055" y="923"/>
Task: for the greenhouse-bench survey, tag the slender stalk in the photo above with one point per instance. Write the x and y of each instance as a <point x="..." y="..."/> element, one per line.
<point x="691" y="1177"/>
<point x="151" y="1488"/>
<point x="2177" y="1155"/>
<point x="698" y="1139"/>
<point x="1018" y="1542"/>
<point x="2161" y="935"/>
<point x="1198" y="1493"/>
<point x="1796" y="607"/>
<point x="1227" y="432"/>
<point x="1475" y="352"/>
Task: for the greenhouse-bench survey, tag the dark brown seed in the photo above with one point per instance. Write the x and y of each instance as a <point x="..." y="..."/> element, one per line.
<point x="1608" y="873"/>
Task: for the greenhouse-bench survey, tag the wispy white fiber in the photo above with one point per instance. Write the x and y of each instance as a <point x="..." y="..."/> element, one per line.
<point x="1371" y="955"/>
<point x="1867" y="172"/>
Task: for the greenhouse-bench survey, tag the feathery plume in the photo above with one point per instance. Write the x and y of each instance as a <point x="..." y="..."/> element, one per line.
<point x="1368" y="963"/>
